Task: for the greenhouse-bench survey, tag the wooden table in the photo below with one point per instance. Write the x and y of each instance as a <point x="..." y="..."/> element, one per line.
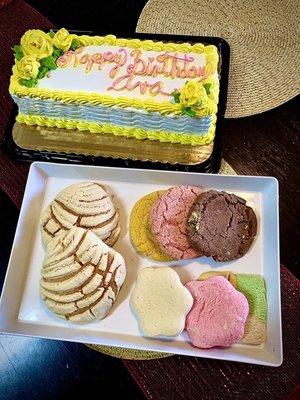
<point x="265" y="144"/>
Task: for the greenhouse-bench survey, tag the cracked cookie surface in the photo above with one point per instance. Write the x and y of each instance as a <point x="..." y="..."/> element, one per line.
<point x="81" y="276"/>
<point x="221" y="225"/>
<point x="168" y="221"/>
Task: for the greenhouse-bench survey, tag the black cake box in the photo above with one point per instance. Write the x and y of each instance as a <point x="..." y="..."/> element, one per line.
<point x="33" y="144"/>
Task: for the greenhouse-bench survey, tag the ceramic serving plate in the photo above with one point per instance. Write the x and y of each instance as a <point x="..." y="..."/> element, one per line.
<point x="22" y="311"/>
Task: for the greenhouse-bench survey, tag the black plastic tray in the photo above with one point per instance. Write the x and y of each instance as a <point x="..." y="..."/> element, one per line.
<point x="211" y="165"/>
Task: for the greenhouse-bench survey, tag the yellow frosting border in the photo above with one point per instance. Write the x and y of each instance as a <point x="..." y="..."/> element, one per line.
<point x="144" y="44"/>
<point x="149" y="105"/>
<point x="138" y="133"/>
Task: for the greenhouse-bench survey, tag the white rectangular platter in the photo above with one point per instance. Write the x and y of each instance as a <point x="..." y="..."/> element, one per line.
<point x="22" y="311"/>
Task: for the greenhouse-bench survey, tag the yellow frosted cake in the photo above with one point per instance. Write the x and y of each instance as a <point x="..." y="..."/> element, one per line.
<point x="142" y="89"/>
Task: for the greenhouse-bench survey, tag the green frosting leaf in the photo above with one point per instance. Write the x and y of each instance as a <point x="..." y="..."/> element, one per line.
<point x="18" y="52"/>
<point x="74" y="44"/>
<point x="49" y="62"/>
<point x="176" y="95"/>
<point x="189" y="111"/>
<point x="28" y="82"/>
<point x="42" y="72"/>
<point x="207" y="86"/>
<point x="51" y="33"/>
<point x="57" y="53"/>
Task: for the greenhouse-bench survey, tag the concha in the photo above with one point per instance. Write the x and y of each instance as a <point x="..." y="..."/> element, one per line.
<point x="81" y="276"/>
<point x="86" y="205"/>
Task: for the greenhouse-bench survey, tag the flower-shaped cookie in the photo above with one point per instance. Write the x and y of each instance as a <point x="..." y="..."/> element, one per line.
<point x="160" y="302"/>
<point x="218" y="315"/>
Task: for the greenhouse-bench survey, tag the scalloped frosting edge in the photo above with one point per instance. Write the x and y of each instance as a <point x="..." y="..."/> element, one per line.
<point x="137" y="133"/>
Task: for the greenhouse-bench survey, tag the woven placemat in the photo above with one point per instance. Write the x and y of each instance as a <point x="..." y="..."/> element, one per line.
<point x="133" y="354"/>
<point x="264" y="41"/>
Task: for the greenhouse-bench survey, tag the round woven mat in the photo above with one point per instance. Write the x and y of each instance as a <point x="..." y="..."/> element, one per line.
<point x="264" y="42"/>
<point x="133" y="354"/>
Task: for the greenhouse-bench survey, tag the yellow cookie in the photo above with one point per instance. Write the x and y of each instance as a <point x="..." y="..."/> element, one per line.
<point x="228" y="275"/>
<point x="140" y="232"/>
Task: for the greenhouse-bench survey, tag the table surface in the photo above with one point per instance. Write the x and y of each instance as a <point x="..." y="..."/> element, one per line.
<point x="265" y="144"/>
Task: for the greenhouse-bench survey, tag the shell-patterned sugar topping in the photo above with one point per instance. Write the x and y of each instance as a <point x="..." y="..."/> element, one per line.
<point x="160" y="302"/>
<point x="81" y="276"/>
<point x="218" y="315"/>
<point x="87" y="205"/>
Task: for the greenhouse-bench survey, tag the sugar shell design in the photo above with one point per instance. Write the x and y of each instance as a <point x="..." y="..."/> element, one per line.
<point x="81" y="276"/>
<point x="87" y="205"/>
<point x="218" y="315"/>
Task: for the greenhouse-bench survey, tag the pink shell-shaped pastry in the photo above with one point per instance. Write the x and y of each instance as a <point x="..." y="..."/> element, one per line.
<point x="218" y="315"/>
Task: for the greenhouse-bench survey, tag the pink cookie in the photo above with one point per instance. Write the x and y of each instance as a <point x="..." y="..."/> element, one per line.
<point x="218" y="315"/>
<point x="168" y="220"/>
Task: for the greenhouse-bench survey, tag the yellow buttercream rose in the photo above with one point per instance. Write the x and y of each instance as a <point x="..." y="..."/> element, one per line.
<point x="212" y="83"/>
<point x="207" y="107"/>
<point x="28" y="67"/>
<point x="212" y="59"/>
<point x="36" y="43"/>
<point x="62" y="39"/>
<point x="191" y="94"/>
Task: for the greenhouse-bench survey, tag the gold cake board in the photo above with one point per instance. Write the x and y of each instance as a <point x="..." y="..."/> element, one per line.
<point x="107" y="145"/>
<point x="133" y="354"/>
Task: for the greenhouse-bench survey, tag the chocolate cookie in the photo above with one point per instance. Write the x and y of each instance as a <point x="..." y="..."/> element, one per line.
<point x="221" y="226"/>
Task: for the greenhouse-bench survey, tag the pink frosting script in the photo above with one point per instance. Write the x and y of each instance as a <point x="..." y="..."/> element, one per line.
<point x="127" y="65"/>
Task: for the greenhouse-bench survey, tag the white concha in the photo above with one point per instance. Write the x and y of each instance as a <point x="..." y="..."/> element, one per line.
<point x="81" y="276"/>
<point x="87" y="205"/>
<point x="160" y="302"/>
